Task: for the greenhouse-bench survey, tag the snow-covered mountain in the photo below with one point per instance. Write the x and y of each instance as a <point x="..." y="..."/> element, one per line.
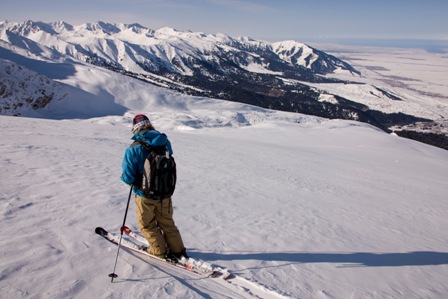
<point x="23" y="89"/>
<point x="137" y="49"/>
<point x="287" y="75"/>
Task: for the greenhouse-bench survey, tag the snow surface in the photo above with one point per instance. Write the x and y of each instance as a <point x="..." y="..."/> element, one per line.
<point x="297" y="206"/>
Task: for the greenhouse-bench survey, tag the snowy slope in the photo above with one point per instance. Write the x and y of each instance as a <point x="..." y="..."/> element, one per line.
<point x="300" y="206"/>
<point x="23" y="89"/>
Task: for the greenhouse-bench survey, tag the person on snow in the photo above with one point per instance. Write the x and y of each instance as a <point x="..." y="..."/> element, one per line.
<point x="155" y="216"/>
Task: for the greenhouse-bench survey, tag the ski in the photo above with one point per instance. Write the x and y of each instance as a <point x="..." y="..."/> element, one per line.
<point x="135" y="236"/>
<point x="190" y="262"/>
<point x="191" y="265"/>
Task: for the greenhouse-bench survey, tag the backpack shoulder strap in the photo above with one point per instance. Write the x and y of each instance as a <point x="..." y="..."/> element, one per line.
<point x="142" y="143"/>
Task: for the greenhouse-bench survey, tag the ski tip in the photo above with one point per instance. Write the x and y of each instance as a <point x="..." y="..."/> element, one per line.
<point x="100" y="231"/>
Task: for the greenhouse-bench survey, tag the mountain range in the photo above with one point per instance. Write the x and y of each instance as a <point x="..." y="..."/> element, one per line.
<point x="277" y="75"/>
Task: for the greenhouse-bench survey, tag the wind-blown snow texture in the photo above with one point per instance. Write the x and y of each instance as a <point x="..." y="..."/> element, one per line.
<point x="301" y="206"/>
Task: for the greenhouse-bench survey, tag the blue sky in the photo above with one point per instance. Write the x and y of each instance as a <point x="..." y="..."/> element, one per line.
<point x="267" y="20"/>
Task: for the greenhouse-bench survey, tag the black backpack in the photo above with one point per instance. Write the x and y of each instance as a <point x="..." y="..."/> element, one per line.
<point x="159" y="172"/>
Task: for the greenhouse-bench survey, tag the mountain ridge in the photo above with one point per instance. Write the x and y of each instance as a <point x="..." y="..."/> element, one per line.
<point x="153" y="40"/>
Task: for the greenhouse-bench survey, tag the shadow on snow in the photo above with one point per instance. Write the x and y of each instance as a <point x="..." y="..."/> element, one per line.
<point x="416" y="258"/>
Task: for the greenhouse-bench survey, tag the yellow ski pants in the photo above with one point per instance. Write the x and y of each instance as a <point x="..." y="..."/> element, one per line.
<point x="155" y="220"/>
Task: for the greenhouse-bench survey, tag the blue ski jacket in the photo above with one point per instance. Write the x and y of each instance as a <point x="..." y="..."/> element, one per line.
<point x="135" y="155"/>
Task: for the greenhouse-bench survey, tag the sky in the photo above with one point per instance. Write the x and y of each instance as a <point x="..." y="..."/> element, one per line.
<point x="272" y="21"/>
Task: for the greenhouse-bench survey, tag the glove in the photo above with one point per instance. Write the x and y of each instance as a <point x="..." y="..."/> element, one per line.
<point x="138" y="182"/>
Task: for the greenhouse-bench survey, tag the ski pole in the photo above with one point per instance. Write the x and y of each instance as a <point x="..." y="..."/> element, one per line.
<point x="113" y="275"/>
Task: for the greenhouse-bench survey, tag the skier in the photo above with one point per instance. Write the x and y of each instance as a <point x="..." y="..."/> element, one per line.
<point x="155" y="216"/>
